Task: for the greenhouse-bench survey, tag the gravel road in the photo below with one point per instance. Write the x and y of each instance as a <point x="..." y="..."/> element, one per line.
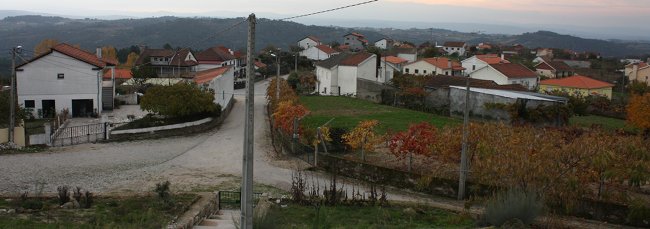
<point x="136" y="166"/>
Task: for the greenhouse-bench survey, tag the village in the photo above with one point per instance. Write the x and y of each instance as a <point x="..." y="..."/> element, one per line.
<point x="346" y="132"/>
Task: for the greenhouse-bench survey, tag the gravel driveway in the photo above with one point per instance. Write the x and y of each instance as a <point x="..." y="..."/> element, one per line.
<point x="187" y="161"/>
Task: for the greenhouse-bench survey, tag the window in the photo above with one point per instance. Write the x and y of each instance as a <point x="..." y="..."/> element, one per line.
<point x="29" y="104"/>
<point x="60" y="76"/>
<point x="424" y="71"/>
<point x="417" y="71"/>
<point x="407" y="70"/>
<point x="473" y="67"/>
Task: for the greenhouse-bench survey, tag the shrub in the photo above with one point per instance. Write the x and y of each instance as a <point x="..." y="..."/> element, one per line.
<point x="88" y="199"/>
<point x="513" y="204"/>
<point x="64" y="194"/>
<point x="33" y="204"/>
<point x="76" y="194"/>
<point x="162" y="189"/>
<point x="179" y="100"/>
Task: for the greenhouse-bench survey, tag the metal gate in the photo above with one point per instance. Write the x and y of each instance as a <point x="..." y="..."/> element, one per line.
<point x="229" y="200"/>
<point x="79" y="134"/>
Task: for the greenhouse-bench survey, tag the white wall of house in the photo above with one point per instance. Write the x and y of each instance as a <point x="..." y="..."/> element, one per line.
<point x="545" y="72"/>
<point x="307" y="43"/>
<point x="39" y="80"/>
<point x="223" y="88"/>
<point x="347" y="80"/>
<point x="459" y="50"/>
<point x="202" y="67"/>
<point x="411" y="57"/>
<point x="324" y="77"/>
<point x="382" y="44"/>
<point x="314" y="53"/>
<point x="387" y="71"/>
<point x="367" y="70"/>
<point x="489" y="73"/>
<point x="353" y="42"/>
<point x="472" y="64"/>
<point x="424" y="68"/>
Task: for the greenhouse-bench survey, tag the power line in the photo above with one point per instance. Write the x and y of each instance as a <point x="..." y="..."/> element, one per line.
<point x="329" y="10"/>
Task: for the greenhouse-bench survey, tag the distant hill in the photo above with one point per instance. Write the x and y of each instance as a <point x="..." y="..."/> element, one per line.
<point x="199" y="33"/>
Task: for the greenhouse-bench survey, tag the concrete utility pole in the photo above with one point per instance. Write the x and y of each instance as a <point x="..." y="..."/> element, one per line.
<point x="277" y="77"/>
<point x="463" y="155"/>
<point x="12" y="99"/>
<point x="246" y="219"/>
<point x="295" y="69"/>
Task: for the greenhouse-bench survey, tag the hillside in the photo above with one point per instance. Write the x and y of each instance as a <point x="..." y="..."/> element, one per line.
<point x="197" y="33"/>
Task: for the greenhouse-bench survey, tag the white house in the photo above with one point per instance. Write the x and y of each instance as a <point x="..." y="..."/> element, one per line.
<point x="452" y="47"/>
<point x="387" y="69"/>
<point x="216" y="57"/>
<point x="221" y="81"/>
<point x="308" y="42"/>
<point x="503" y="74"/>
<point x="479" y="61"/>
<point x="338" y="75"/>
<point x="319" y="52"/>
<point x="355" y="41"/>
<point x="384" y="43"/>
<point x="65" y="77"/>
<point x="409" y="54"/>
<point x="434" y="66"/>
<point x="167" y="62"/>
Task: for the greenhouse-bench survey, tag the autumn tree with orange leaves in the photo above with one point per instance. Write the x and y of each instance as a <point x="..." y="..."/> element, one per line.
<point x="286" y="94"/>
<point x="45" y="46"/>
<point x="638" y="113"/>
<point x="364" y="136"/>
<point x="286" y="112"/>
<point x="419" y="139"/>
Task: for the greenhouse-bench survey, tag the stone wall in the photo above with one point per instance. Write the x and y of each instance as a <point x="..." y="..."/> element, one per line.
<point x="370" y="90"/>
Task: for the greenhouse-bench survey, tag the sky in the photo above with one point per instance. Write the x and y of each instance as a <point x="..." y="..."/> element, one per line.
<point x="597" y="16"/>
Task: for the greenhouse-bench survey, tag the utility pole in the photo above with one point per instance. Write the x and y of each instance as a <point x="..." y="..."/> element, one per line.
<point x="277" y="79"/>
<point x="295" y="69"/>
<point x="463" y="155"/>
<point x="246" y="220"/>
<point x="12" y="99"/>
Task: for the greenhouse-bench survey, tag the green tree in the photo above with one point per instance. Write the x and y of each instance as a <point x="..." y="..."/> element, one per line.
<point x="168" y="46"/>
<point x="430" y="52"/>
<point x="141" y="75"/>
<point x="179" y="100"/>
<point x="4" y="110"/>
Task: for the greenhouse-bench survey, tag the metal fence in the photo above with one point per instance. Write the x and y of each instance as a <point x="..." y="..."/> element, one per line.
<point x="79" y="134"/>
<point x="232" y="200"/>
<point x="295" y="147"/>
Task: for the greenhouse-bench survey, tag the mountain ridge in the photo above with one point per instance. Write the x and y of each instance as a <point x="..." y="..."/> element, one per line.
<point x="182" y="31"/>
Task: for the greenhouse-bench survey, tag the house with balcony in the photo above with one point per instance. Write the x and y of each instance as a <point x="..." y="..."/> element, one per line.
<point x="169" y="63"/>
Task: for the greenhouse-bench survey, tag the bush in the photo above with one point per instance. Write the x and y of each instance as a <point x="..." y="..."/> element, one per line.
<point x="33" y="204"/>
<point x="513" y="204"/>
<point x="64" y="194"/>
<point x="179" y="100"/>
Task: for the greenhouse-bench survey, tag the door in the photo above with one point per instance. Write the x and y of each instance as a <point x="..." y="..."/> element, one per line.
<point x="82" y="107"/>
<point x="48" y="108"/>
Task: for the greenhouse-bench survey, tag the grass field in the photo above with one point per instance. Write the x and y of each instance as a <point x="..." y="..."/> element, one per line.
<point x="106" y="212"/>
<point x="606" y="122"/>
<point x="349" y="111"/>
<point x="296" y="216"/>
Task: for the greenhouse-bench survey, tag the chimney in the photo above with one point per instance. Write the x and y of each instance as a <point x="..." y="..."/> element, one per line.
<point x="98" y="52"/>
<point x="503" y="57"/>
<point x="448" y="63"/>
<point x="648" y="60"/>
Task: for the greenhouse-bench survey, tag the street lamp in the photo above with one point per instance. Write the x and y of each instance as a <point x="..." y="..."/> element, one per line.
<point x="277" y="79"/>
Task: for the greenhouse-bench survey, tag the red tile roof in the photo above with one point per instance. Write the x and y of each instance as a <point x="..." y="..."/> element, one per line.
<point x="313" y="38"/>
<point x="553" y="65"/>
<point x="395" y="60"/>
<point x="356" y="59"/>
<point x="514" y="70"/>
<point x="577" y="81"/>
<point x="443" y="63"/>
<point x="356" y="35"/>
<point x="76" y="53"/>
<point x="326" y="49"/>
<point x="120" y="73"/>
<point x="640" y="64"/>
<point x="210" y="74"/>
<point x="458" y="44"/>
<point x="406" y="46"/>
<point x="218" y="53"/>
<point x="260" y="64"/>
<point x="492" y="59"/>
